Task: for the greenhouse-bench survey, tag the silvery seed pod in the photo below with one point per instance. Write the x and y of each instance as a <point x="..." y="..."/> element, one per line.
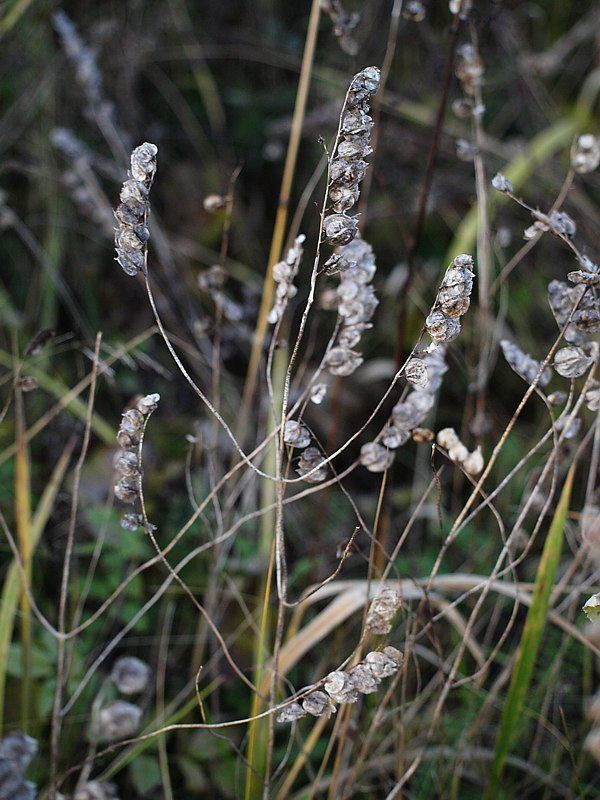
<point x="130" y="675"/>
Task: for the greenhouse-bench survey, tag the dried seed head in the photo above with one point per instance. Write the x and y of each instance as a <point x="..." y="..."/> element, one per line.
<point x="562" y="224"/>
<point x="342" y="361"/>
<point x="563" y="298"/>
<point x="442" y="328"/>
<point x="394" y="437"/>
<point x="127" y="490"/>
<point x="126" y="463"/>
<point x="340" y="688"/>
<point x="572" y="362"/>
<point x="338" y="229"/>
<point x="318" y="704"/>
<point x="416" y="372"/>
<point x="310" y="460"/>
<point x="119" y="720"/>
<point x="148" y="404"/>
<point x="130" y="675"/>
<point x="363" y="678"/>
<point x="592" y="395"/>
<point x="16" y="750"/>
<point x="473" y="464"/>
<point x="585" y="153"/>
<point x="422" y="435"/>
<point x="501" y="183"/>
<point x="523" y="364"/>
<point x="587" y="320"/>
<point x="382" y="610"/>
<point x="291" y="713"/>
<point x="447" y="438"/>
<point x="131" y="237"/>
<point x="375" y="457"/>
<point x="131" y="521"/>
<point x="296" y="435"/>
<point x="384" y="663"/>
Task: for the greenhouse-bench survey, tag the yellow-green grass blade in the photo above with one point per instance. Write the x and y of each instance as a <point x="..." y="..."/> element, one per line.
<point x="11" y="589"/>
<point x="530" y="639"/>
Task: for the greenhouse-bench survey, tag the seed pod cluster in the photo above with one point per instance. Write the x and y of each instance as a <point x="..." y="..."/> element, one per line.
<point x="344" y="686"/>
<point x="16" y="751"/>
<point x="563" y="299"/>
<point x="356" y="304"/>
<point x="131" y="237"/>
<point x="312" y="459"/>
<point x="471" y="462"/>
<point x="408" y="414"/>
<point x="284" y="273"/>
<point x="347" y="167"/>
<point x="523" y="364"/>
<point x="452" y="301"/>
<point x="382" y="610"/>
<point x="127" y="458"/>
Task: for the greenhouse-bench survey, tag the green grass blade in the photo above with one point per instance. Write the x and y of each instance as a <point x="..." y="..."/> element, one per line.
<point x="530" y="640"/>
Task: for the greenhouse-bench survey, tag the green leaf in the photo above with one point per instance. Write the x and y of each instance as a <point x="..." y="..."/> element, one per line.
<point x="529" y="645"/>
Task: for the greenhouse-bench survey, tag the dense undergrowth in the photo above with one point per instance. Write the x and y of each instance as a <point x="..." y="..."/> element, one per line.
<point x="303" y="501"/>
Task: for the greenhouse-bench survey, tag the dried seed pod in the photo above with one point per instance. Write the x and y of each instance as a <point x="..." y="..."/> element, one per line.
<point x="523" y="364"/>
<point x="119" y="720"/>
<point x="572" y="362"/>
<point x="131" y="522"/>
<point x="363" y="679"/>
<point x="585" y="153"/>
<point x="384" y="663"/>
<point x="17" y="749"/>
<point x="568" y="426"/>
<point x="340" y="688"/>
<point x="416" y="372"/>
<point x="341" y="361"/>
<point x="214" y="202"/>
<point x="442" y="328"/>
<point x="382" y="610"/>
<point x="310" y="460"/>
<point x="562" y="224"/>
<point x="375" y="457"/>
<point x="458" y="453"/>
<point x="131" y="237"/>
<point x="148" y="404"/>
<point x="422" y="435"/>
<point x="130" y="675"/>
<point x="592" y="396"/>
<point x="291" y="713"/>
<point x="318" y="704"/>
<point x="394" y="437"/>
<point x="473" y="464"/>
<point x="447" y="438"/>
<point x="338" y="229"/>
<point x="501" y="183"/>
<point x="127" y="490"/>
<point x="296" y="435"/>
<point x="587" y="320"/>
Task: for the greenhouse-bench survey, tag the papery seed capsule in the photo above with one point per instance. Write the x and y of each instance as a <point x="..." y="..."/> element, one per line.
<point x="339" y="229"/>
<point x="291" y="713"/>
<point x="130" y="675"/>
<point x="340" y="688"/>
<point x="126" y="490"/>
<point x="295" y="434"/>
<point x="572" y="362"/>
<point x="318" y="704"/>
<point x="118" y="720"/>
<point x="375" y="457"/>
<point x="147" y="404"/>
<point x="126" y="463"/>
